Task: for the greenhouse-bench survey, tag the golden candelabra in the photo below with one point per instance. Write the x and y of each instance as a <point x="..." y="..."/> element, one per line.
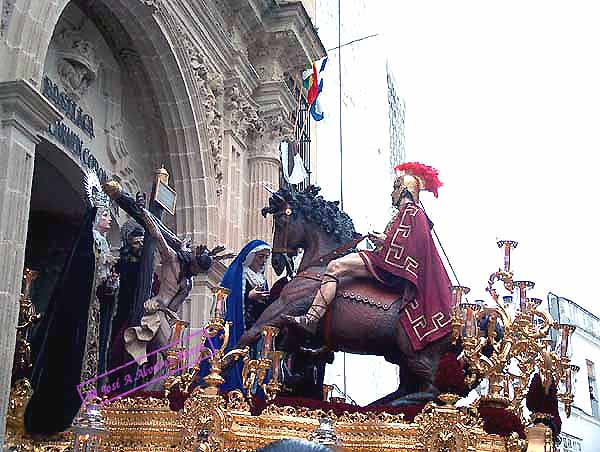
<point x="255" y="371"/>
<point x="505" y="345"/>
<point x="21" y="390"/>
<point x="218" y="328"/>
<point x="176" y="357"/>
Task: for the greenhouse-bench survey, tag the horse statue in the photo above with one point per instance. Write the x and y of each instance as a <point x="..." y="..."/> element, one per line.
<point x="364" y="316"/>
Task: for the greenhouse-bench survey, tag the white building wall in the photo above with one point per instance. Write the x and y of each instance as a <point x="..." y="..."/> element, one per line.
<point x="367" y="178"/>
<point x="581" y="431"/>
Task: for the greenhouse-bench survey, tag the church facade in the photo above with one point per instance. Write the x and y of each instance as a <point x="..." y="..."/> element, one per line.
<point x="121" y="88"/>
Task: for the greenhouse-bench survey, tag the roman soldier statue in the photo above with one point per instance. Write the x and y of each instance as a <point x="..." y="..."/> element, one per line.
<point x="405" y="251"/>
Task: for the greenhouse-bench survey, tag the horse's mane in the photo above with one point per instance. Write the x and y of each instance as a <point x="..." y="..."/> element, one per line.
<point x="316" y="210"/>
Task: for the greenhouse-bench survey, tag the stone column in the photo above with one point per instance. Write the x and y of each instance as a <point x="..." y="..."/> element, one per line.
<point x="24" y="113"/>
<point x="197" y="308"/>
<point x="273" y="55"/>
<point x="263" y="169"/>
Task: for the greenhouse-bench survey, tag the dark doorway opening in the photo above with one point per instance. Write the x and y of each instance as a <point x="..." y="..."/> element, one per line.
<point x="56" y="211"/>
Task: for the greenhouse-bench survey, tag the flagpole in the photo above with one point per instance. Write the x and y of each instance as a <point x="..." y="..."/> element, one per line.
<point x="340" y="110"/>
<point x="352" y="42"/>
<point x="341" y="147"/>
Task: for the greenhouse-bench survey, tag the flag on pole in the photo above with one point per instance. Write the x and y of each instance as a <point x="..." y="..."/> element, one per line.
<point x="315" y="109"/>
<point x="314" y="86"/>
<point x="311" y="82"/>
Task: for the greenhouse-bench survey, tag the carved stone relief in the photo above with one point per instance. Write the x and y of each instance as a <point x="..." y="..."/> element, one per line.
<point x="212" y="92"/>
<point x="5" y="15"/>
<point x="274" y="127"/>
<point x="242" y="112"/>
<point x="78" y="65"/>
<point x="273" y="54"/>
<point x="153" y="4"/>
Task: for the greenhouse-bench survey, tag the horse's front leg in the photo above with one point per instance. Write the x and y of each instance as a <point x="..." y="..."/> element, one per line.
<point x="252" y="336"/>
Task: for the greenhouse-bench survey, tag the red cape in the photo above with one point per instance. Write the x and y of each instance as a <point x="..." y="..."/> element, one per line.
<point x="409" y="252"/>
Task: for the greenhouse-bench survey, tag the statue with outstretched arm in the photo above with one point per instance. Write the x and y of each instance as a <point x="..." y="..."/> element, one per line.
<point x="178" y="266"/>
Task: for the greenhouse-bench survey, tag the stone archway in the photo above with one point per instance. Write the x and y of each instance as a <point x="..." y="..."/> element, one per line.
<point x="157" y="46"/>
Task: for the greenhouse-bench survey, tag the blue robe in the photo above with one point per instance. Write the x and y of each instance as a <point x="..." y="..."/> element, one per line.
<point x="233" y="280"/>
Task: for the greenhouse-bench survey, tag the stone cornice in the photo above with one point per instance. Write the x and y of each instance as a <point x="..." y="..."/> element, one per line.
<point x="24" y="106"/>
<point x="273" y="95"/>
<point x="292" y="17"/>
<point x="204" y="25"/>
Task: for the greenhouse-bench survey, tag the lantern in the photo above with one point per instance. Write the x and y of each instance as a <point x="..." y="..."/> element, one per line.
<point x="88" y="430"/>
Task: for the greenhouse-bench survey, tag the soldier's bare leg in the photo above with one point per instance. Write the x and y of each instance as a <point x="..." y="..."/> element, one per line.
<point x="350" y="265"/>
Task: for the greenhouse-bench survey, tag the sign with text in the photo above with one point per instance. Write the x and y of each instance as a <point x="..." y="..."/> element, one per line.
<point x="131" y="377"/>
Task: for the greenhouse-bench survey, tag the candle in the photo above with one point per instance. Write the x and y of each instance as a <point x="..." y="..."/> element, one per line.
<point x="275" y="366"/>
<point x="523" y="286"/>
<point x="507" y="244"/>
<point x="269" y="334"/>
<point x="457" y="293"/>
<point x="568" y="382"/>
<point x="221" y="294"/>
<point x="471" y="321"/>
<point x="564" y="343"/>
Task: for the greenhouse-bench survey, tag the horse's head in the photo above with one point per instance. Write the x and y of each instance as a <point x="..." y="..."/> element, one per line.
<point x="298" y="216"/>
<point x="288" y="226"/>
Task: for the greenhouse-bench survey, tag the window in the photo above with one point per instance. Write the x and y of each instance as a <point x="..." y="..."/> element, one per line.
<point x="591" y="371"/>
<point x="301" y="120"/>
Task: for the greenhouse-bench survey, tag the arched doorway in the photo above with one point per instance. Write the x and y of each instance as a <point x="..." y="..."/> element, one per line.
<point x="146" y="41"/>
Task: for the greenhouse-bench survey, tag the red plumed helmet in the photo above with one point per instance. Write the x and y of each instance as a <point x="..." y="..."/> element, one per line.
<point x="427" y="175"/>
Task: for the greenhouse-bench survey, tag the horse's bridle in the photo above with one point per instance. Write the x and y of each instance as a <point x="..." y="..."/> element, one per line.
<point x="287" y="211"/>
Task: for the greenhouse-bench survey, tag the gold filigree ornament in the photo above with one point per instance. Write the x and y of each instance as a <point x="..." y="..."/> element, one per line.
<point x="505" y="343"/>
<point x="205" y="421"/>
<point x="448" y="429"/>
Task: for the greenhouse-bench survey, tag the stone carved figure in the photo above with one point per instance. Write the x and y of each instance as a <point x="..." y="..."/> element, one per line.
<point x="78" y="66"/>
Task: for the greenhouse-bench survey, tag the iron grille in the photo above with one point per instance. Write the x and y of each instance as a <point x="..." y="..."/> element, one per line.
<point x="300" y="117"/>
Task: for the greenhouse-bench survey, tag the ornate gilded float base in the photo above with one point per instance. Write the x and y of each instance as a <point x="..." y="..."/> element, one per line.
<point x="212" y="423"/>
